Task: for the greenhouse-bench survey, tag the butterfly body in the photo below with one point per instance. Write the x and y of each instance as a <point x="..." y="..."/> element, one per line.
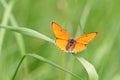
<point x="68" y="44"/>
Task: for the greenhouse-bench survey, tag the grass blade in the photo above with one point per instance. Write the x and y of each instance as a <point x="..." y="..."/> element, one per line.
<point x="44" y="60"/>
<point x="5" y="21"/>
<point x="29" y="32"/>
<point x="89" y="68"/>
<point x="19" y="37"/>
<point x="85" y="13"/>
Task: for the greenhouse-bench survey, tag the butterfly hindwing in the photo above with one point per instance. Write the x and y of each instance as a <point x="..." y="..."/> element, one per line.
<point x="78" y="47"/>
<point x="61" y="44"/>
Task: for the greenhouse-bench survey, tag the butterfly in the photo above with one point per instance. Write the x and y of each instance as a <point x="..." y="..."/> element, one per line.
<point x="68" y="44"/>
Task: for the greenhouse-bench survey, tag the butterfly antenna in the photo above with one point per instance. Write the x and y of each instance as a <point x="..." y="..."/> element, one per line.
<point x="84" y="32"/>
<point x="73" y="53"/>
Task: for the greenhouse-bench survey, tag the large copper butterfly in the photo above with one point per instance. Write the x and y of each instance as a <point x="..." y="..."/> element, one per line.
<point x="68" y="44"/>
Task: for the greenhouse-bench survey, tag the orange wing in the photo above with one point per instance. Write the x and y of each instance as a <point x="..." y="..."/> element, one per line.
<point x="78" y="47"/>
<point x="61" y="44"/>
<point x="59" y="32"/>
<point x="61" y="35"/>
<point x="82" y="41"/>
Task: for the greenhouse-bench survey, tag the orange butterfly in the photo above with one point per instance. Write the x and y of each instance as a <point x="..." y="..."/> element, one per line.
<point x="68" y="44"/>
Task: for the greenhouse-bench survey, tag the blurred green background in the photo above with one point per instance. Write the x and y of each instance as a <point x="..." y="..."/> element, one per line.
<point x="75" y="16"/>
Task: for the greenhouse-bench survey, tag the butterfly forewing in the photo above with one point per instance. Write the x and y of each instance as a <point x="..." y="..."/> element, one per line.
<point x="85" y="39"/>
<point x="59" y="32"/>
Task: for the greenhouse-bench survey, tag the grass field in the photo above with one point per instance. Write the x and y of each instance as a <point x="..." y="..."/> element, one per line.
<point x="33" y="40"/>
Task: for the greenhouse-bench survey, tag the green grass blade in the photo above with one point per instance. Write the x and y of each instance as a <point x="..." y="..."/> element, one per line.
<point x="5" y="21"/>
<point x="29" y="32"/>
<point x="70" y="66"/>
<point x="44" y="60"/>
<point x="85" y="13"/>
<point x="89" y="68"/>
<point x="19" y="38"/>
<point x="15" y="73"/>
